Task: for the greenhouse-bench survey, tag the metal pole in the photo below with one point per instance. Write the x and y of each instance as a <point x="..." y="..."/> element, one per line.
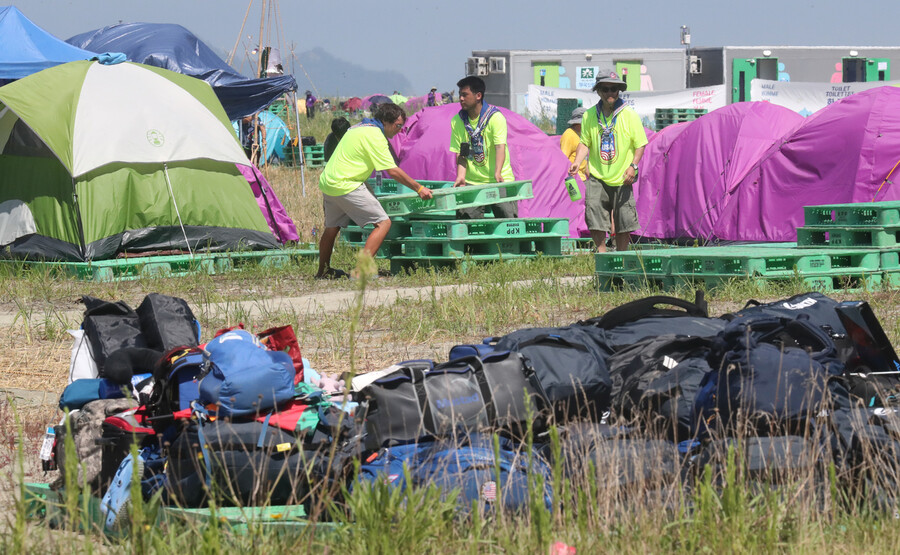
<point x="300" y="147"/>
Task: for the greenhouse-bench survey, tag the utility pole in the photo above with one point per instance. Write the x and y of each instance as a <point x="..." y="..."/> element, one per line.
<point x="686" y="42"/>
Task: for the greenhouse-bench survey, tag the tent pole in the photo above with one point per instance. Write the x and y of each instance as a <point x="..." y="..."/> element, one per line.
<point x="177" y="212"/>
<point x="300" y="147"/>
<point x="78" y="219"/>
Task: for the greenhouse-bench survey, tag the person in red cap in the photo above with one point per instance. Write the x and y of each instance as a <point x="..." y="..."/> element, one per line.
<point x="613" y="141"/>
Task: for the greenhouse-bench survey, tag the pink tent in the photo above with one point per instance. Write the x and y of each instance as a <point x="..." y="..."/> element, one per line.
<point x="424" y="150"/>
<point x="688" y="169"/>
<point x="280" y="223"/>
<point x="846" y="152"/>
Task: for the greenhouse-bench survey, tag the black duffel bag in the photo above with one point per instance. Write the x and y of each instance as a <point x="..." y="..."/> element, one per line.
<point x="236" y="463"/>
<point x="570" y="365"/>
<point x="469" y="394"/>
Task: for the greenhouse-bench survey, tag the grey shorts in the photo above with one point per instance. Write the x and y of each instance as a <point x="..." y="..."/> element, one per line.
<point x="601" y="199"/>
<point x="359" y="206"/>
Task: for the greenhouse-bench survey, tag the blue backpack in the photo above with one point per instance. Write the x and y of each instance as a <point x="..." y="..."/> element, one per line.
<point x="467" y="465"/>
<point x="243" y="377"/>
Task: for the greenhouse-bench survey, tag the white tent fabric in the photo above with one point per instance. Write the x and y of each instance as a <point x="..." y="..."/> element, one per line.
<point x="185" y="130"/>
<point x="16" y="220"/>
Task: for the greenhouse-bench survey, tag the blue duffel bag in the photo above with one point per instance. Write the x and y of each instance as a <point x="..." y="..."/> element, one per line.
<point x="468" y="465"/>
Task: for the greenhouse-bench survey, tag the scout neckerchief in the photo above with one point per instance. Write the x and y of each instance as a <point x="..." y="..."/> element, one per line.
<point x="372" y="122"/>
<point x="476" y="139"/>
<point x="607" y="142"/>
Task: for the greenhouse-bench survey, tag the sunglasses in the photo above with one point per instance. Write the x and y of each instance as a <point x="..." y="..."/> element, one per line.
<point x="609" y="89"/>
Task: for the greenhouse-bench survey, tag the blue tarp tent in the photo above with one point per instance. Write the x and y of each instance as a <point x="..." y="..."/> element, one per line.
<point x="25" y="48"/>
<point x="175" y="48"/>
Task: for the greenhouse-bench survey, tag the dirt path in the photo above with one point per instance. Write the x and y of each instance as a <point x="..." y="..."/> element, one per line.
<point x="336" y="301"/>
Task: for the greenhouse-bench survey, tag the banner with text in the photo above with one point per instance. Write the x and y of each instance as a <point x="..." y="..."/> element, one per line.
<point x="807" y="98"/>
<point x="541" y="101"/>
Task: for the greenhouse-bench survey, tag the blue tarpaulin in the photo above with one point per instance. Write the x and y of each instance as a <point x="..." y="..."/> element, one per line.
<point x="25" y="48"/>
<point x="175" y="48"/>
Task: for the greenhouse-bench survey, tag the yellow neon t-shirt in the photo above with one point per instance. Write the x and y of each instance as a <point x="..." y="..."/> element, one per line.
<point x="568" y="143"/>
<point x="362" y="150"/>
<point x="494" y="134"/>
<point x="628" y="135"/>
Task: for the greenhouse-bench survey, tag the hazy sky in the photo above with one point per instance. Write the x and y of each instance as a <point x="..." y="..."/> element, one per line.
<point x="429" y="41"/>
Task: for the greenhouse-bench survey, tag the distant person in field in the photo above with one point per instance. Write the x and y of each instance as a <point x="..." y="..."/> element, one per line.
<point x="613" y="141"/>
<point x="433" y="98"/>
<point x="310" y="105"/>
<point x="571" y="138"/>
<point x="363" y="149"/>
<point x="253" y="135"/>
<point x="478" y="139"/>
<point x="339" y="127"/>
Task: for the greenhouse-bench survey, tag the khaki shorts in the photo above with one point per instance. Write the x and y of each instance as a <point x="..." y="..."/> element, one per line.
<point x="601" y="199"/>
<point x="359" y="206"/>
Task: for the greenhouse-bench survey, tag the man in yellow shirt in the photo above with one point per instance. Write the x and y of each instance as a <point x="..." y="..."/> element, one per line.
<point x="613" y="141"/>
<point x="571" y="138"/>
<point x="478" y="138"/>
<point x="363" y="149"/>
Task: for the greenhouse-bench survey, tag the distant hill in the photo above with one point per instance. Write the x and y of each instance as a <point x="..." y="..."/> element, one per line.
<point x="333" y="76"/>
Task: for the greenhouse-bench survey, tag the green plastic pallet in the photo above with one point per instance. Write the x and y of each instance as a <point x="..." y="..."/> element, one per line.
<point x="496" y="228"/>
<point x="651" y="262"/>
<point x="120" y="269"/>
<point x="393" y="187"/>
<point x="533" y="244"/>
<point x="769" y="261"/>
<point x="837" y="281"/>
<point x="844" y="236"/>
<point x="858" y="214"/>
<point x="356" y="234"/>
<point x="403" y="263"/>
<point x="746" y="261"/>
<point x="828" y="282"/>
<point x="46" y="505"/>
<point x="456" y="198"/>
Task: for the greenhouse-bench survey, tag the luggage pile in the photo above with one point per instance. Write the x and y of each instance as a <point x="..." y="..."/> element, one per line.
<point x="641" y="399"/>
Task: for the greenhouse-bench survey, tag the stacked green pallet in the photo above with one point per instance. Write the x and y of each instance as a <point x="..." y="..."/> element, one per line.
<point x="824" y="269"/>
<point x="841" y="246"/>
<point x="425" y="233"/>
<point x="664" y="117"/>
<point x="314" y="156"/>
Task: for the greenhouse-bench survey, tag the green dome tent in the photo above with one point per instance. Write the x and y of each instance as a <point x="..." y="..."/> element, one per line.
<point x="97" y="160"/>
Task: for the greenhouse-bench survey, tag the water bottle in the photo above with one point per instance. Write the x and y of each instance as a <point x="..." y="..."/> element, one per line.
<point x="572" y="188"/>
<point x="46" y="454"/>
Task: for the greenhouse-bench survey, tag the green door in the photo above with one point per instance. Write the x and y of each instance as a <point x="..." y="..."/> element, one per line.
<point x="743" y="70"/>
<point x="878" y="69"/>
<point x="550" y="77"/>
<point x="630" y="72"/>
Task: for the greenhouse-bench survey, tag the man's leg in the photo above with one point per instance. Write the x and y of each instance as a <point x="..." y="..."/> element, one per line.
<point x="376" y="238"/>
<point x="326" y="247"/>
<point x="599" y="238"/>
<point x="622" y="241"/>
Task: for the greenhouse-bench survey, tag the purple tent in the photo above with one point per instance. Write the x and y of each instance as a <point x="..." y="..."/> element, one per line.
<point x="280" y="223"/>
<point x="424" y="150"/>
<point x="846" y="152"/>
<point x="689" y="168"/>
